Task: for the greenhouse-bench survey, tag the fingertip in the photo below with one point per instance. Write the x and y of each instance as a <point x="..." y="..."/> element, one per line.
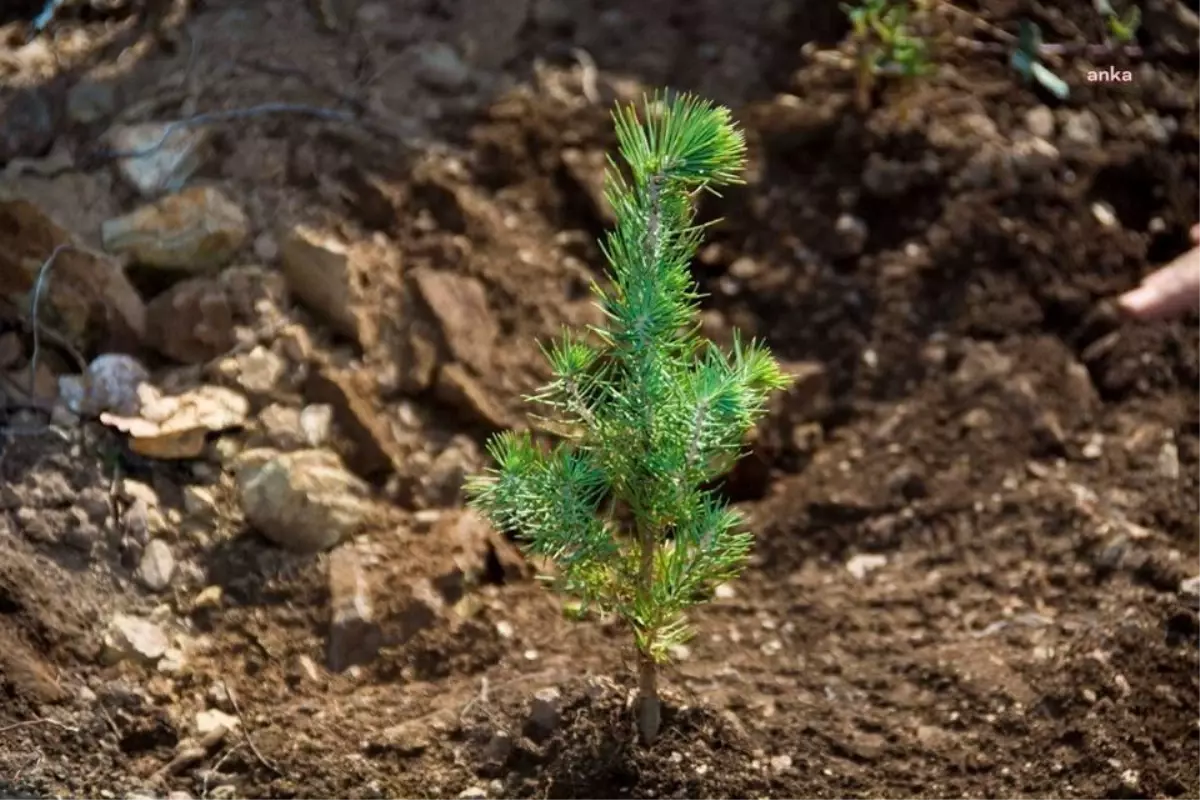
<point x="1141" y="302"/>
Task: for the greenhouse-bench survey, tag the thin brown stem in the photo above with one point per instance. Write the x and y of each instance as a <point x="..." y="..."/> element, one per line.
<point x="649" y="705"/>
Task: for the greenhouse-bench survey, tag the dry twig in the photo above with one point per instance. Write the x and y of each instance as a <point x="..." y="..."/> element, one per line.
<point x="39" y="721"/>
<point x="246" y="732"/>
<point x="587" y="78"/>
<point x="216" y="768"/>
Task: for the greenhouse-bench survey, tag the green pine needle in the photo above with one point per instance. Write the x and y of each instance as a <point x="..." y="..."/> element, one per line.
<point x="650" y="411"/>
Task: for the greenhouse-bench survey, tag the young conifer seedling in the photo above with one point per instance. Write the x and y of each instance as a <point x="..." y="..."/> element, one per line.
<point x="650" y="413"/>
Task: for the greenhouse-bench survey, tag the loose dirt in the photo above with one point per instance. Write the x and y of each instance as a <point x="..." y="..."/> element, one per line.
<point x="973" y="514"/>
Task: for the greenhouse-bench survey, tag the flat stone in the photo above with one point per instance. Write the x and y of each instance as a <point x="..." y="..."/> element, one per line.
<point x="328" y="275"/>
<point x="353" y="637"/>
<point x="197" y="229"/>
<point x="460" y="306"/>
<point x="133" y="637"/>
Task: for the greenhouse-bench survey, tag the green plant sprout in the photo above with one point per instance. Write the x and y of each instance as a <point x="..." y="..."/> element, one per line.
<point x="885" y="44"/>
<point x="1026" y="60"/>
<point x="649" y="411"/>
<point x="1121" y="29"/>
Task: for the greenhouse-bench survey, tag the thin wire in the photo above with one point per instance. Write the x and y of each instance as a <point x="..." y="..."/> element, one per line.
<point x="35" y="304"/>
<point x="223" y="116"/>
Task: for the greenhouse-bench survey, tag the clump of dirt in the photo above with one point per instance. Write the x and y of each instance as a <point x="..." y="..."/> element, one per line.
<point x="580" y="740"/>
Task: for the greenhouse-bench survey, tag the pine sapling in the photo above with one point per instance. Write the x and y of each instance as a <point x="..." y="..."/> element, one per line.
<point x="649" y="413"/>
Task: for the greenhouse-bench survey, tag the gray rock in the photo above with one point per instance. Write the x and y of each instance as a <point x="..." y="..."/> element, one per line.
<point x="1190" y="589"/>
<point x="161" y="159"/>
<point x="1155" y="128"/>
<point x="442" y="483"/>
<point x="89" y="102"/>
<point x="316" y="422"/>
<point x="28" y="120"/>
<point x="281" y="427"/>
<point x="199" y="502"/>
<point x="852" y="235"/>
<point x="133" y="637"/>
<point x="353" y="637"/>
<point x="1039" y="120"/>
<point x="211" y="719"/>
<point x="440" y="67"/>
<point x="157" y="566"/>
<point x="81" y="533"/>
<point x="553" y="13"/>
<point x="1032" y="156"/>
<point x="304" y="501"/>
<point x="257" y="372"/>
<point x="94" y="502"/>
<point x="1082" y="130"/>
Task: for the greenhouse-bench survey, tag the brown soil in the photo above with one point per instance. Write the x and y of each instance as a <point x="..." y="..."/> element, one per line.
<point x="1022" y="462"/>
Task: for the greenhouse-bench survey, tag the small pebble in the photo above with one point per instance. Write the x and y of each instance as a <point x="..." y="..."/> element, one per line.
<point x="781" y="763"/>
<point x="157" y="565"/>
<point x="1040" y="121"/>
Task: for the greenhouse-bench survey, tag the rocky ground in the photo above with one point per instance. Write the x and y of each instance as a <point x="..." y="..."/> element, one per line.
<point x="253" y="575"/>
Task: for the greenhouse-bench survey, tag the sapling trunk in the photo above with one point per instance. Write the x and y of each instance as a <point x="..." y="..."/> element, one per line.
<point x="649" y="704"/>
<point x="651" y="413"/>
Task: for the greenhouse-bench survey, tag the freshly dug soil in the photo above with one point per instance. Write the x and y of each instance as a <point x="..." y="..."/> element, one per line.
<point x="973" y="514"/>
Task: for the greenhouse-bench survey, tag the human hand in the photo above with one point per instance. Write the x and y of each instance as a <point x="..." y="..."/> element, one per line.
<point x="1169" y="291"/>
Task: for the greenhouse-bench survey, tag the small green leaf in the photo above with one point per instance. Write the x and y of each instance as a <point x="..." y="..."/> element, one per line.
<point x="1051" y="82"/>
<point x="1022" y="63"/>
<point x="1029" y="39"/>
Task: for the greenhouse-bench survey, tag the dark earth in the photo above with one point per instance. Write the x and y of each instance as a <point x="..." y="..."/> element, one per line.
<point x="974" y="512"/>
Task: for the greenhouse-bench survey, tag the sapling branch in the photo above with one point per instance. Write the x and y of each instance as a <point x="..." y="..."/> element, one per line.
<point x="654" y="411"/>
